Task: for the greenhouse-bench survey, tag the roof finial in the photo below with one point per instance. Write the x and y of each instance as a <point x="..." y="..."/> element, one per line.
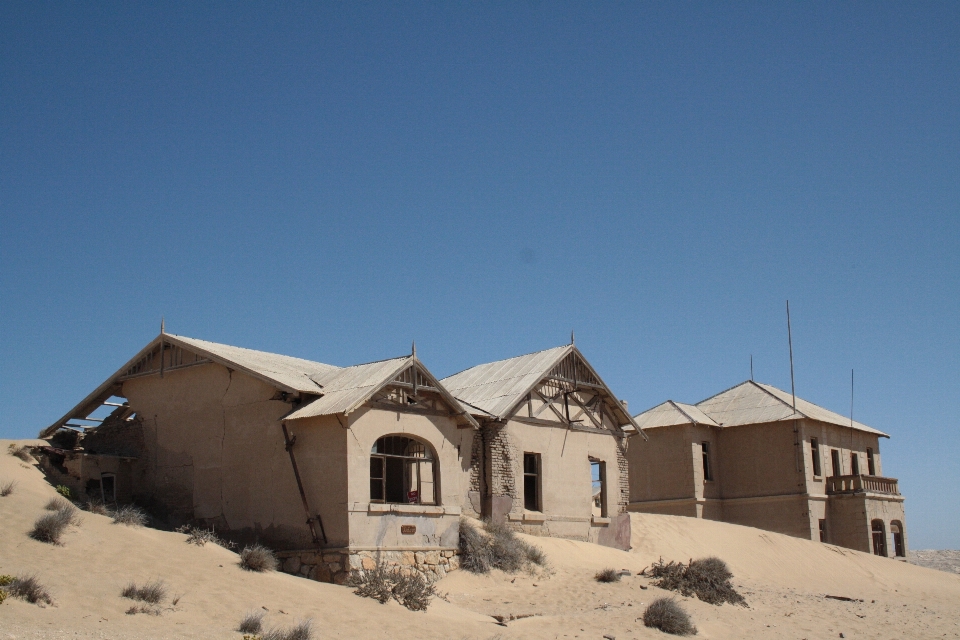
<point x="413" y="350"/>
<point x="573" y="340"/>
<point x="161" y="325"/>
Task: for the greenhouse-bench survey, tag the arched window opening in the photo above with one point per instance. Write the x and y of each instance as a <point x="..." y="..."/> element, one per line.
<point x="402" y="471"/>
<point x="896" y="528"/>
<point x="879" y="538"/>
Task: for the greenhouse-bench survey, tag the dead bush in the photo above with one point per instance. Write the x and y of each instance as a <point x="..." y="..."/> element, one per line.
<point x="56" y="504"/>
<point x="7" y="488"/>
<point x="50" y="527"/>
<point x="20" y="452"/>
<point x="258" y="558"/>
<point x="130" y="516"/>
<point x="499" y="549"/>
<point x="607" y="575"/>
<point x="706" y="578"/>
<point x="303" y="630"/>
<point x="668" y="616"/>
<point x="200" y="537"/>
<point x="252" y="622"/>
<point x="30" y="589"/>
<point x="151" y="592"/>
<point x="382" y="583"/>
<point x="476" y="555"/>
<point x="143" y="608"/>
<point x="97" y="507"/>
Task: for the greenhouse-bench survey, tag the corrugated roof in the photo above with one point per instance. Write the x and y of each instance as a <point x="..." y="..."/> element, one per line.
<point x="672" y="413"/>
<point x="754" y="403"/>
<point x="495" y="387"/>
<point x="295" y="373"/>
<point x="346" y="388"/>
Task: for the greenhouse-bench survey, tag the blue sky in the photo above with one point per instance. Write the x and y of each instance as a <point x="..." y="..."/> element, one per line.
<point x="333" y="181"/>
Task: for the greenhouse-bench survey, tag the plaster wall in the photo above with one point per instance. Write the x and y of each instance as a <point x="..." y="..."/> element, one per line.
<point x="758" y="460"/>
<point x="789" y="515"/>
<point x="661" y="468"/>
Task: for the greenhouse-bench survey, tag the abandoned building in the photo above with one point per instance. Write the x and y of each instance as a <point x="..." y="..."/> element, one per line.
<point x="748" y="457"/>
<point x="334" y="467"/>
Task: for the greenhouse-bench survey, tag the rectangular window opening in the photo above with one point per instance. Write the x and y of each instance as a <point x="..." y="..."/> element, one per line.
<point x="815" y="454"/>
<point x="707" y="471"/>
<point x="835" y="459"/>
<point x="531" y="481"/>
<point x="598" y="477"/>
<point x="823" y="530"/>
<point x="871" y="465"/>
<point x="854" y="463"/>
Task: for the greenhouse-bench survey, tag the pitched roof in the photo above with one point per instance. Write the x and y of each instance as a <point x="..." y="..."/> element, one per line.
<point x="670" y="414"/>
<point x="747" y="403"/>
<point x="344" y="390"/>
<point x="494" y="389"/>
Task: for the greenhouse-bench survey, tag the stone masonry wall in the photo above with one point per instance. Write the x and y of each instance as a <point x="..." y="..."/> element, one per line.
<point x="502" y="461"/>
<point x="624" y="469"/>
<point x="336" y="565"/>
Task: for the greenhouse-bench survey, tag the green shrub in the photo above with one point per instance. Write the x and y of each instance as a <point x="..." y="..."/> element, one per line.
<point x="668" y="616"/>
<point x="63" y="490"/>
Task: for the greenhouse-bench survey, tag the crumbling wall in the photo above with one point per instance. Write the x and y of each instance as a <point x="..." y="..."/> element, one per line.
<point x="116" y="437"/>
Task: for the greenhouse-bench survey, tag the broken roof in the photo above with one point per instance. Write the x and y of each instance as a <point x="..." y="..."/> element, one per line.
<point x="494" y="389"/>
<point x="753" y="403"/>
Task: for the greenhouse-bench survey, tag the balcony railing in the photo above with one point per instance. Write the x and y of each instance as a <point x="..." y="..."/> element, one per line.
<point x="862" y="484"/>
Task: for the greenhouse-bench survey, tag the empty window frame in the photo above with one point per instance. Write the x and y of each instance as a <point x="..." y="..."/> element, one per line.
<point x="899" y="549"/>
<point x="108" y="488"/>
<point x="815" y="455"/>
<point x="531" y="482"/>
<point x="707" y="469"/>
<point x="835" y="459"/>
<point x="854" y="463"/>
<point x="598" y="477"/>
<point x="823" y="530"/>
<point x="402" y="471"/>
<point x="879" y="538"/>
<point x="871" y="465"/>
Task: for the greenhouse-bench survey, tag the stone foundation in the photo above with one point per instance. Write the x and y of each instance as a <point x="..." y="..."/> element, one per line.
<point x="336" y="565"/>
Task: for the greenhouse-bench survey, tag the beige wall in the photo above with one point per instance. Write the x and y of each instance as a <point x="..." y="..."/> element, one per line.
<point x="758" y="460"/>
<point x="661" y="468"/>
<point x="845" y="440"/>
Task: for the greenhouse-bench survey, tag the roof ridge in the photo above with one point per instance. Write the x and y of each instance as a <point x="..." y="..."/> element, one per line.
<point x="686" y="415"/>
<point x="763" y="388"/>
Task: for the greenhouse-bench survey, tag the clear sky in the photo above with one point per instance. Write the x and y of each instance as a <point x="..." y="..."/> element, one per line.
<point x="333" y="181"/>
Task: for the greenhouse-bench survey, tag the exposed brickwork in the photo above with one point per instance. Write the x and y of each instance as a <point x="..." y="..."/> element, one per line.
<point x="623" y="467"/>
<point x="116" y="437"/>
<point x="476" y="462"/>
<point x="503" y="458"/>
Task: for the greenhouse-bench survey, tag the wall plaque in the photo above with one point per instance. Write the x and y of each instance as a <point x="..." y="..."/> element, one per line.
<point x="408" y="529"/>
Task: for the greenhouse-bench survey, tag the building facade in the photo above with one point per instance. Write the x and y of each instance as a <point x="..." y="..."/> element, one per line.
<point x="748" y="456"/>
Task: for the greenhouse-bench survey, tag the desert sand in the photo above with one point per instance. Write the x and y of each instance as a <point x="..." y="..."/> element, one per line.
<point x="785" y="581"/>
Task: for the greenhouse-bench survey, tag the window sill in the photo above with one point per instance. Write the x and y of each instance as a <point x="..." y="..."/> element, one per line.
<point x="533" y="517"/>
<point x="598" y="521"/>
<point x="408" y="509"/>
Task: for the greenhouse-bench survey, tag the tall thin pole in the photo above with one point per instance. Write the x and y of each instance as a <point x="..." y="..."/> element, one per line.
<point x="751" y="367"/>
<point x="851" y="398"/>
<point x="793" y="389"/>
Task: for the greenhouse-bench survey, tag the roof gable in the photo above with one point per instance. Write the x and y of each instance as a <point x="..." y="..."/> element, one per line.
<point x="670" y="414"/>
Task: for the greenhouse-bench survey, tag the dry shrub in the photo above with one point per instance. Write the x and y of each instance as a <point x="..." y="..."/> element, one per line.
<point x="258" y="558"/>
<point x="607" y="575"/>
<point x="20" y="452"/>
<point x="50" y="527"/>
<point x="668" y="616"/>
<point x="143" y="608"/>
<point x="499" y="549"/>
<point x="200" y="537"/>
<point x="706" y="578"/>
<point x="130" y="516"/>
<point x="7" y="488"/>
<point x="97" y="507"/>
<point x="56" y="504"/>
<point x="382" y="583"/>
<point x="303" y="630"/>
<point x="252" y="622"/>
<point x="29" y="588"/>
<point x="152" y="592"/>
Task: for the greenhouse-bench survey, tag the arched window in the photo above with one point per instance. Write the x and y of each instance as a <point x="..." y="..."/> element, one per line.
<point x="896" y="528"/>
<point x="879" y="538"/>
<point x="402" y="471"/>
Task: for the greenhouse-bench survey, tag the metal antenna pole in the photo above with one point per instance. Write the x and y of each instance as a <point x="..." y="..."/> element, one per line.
<point x="851" y="398"/>
<point x="751" y="367"/>
<point x="793" y="389"/>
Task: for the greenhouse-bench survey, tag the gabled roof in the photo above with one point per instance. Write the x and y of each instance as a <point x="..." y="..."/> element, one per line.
<point x="494" y="389"/>
<point x="747" y="403"/>
<point x="671" y="414"/>
<point x="344" y="390"/>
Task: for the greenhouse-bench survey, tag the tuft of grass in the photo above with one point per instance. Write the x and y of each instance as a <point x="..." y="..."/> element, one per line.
<point x="706" y="578"/>
<point x="20" y="452"/>
<point x="7" y="488"/>
<point x="63" y="490"/>
<point x="143" y="608"/>
<point x="151" y="592"/>
<point x="302" y="630"/>
<point x="382" y="583"/>
<point x="607" y="575"/>
<point x="97" y="507"/>
<point x="56" y="504"/>
<point x="30" y="589"/>
<point x="668" y="616"/>
<point x="130" y="516"/>
<point x="499" y="549"/>
<point x="252" y="623"/>
<point x="258" y="558"/>
<point x="200" y="537"/>
<point x="50" y="527"/>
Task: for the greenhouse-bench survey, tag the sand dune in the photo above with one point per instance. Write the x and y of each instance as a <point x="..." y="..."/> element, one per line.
<point x="783" y="579"/>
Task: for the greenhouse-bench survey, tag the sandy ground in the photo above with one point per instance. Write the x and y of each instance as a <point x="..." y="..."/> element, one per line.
<point x="784" y="580"/>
